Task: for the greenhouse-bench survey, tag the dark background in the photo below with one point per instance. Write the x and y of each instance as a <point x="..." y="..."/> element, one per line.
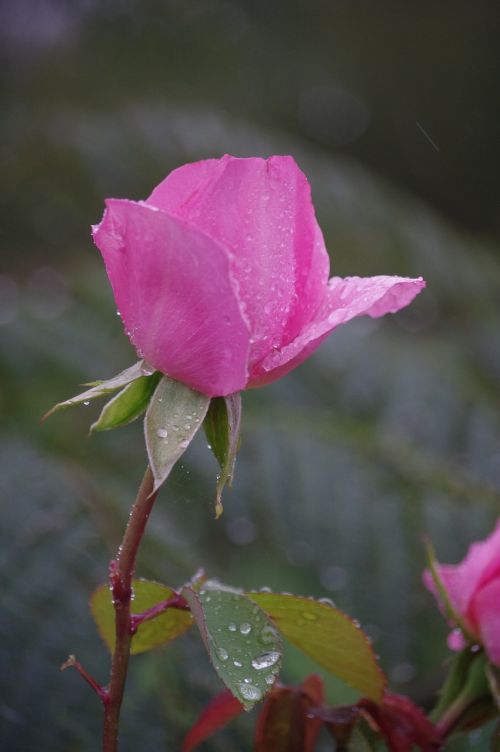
<point x="390" y="431"/>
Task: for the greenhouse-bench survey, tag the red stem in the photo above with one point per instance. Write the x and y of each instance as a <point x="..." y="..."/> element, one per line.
<point x="100" y="691"/>
<point x="121" y="572"/>
<point x="175" y="601"/>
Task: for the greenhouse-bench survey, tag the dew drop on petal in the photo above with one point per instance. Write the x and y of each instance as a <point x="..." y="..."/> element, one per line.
<point x="232" y="627"/>
<point x="245" y="628"/>
<point x="162" y="433"/>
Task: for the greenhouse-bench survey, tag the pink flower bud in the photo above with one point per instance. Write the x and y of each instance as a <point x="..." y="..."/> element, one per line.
<point x="473" y="590"/>
<point x="221" y="275"/>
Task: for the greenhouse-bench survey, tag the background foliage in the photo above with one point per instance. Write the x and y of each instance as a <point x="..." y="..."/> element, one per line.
<point x="389" y="432"/>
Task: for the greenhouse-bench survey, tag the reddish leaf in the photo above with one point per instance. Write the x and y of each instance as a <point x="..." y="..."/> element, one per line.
<point x="340" y="722"/>
<point x="285" y="723"/>
<point x="223" y="708"/>
<point x="402" y="724"/>
<point x="313" y="689"/>
<point x="312" y="686"/>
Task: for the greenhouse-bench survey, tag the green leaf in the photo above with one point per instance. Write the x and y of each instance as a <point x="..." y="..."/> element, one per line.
<point x="127" y="405"/>
<point x="101" y="388"/>
<point x="243" y="645"/>
<point x="328" y="636"/>
<point x="174" y="415"/>
<point x="222" y="427"/>
<point x="152" y="633"/>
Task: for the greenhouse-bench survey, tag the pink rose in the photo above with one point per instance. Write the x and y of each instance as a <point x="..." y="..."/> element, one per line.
<point x="221" y="275"/>
<point x="473" y="589"/>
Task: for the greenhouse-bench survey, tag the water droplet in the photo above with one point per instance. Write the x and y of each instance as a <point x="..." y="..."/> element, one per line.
<point x="327" y="602"/>
<point x="268" y="635"/>
<point x="162" y="433"/>
<point x="237" y="664"/>
<point x="118" y="314"/>
<point x="266" y="660"/>
<point x="222" y="654"/>
<point x="250" y="692"/>
<point x="86" y="403"/>
<point x="265" y="589"/>
<point x="187" y="426"/>
<point x="245" y="628"/>
<point x="147" y="370"/>
<point x="270" y="679"/>
<point x="310" y="617"/>
<point x="232" y="627"/>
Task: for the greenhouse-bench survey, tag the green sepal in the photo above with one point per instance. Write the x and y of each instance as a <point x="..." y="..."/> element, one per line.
<point x="222" y="428"/>
<point x="454" y="683"/>
<point x="466" y="697"/>
<point x="450" y="612"/>
<point x="243" y="645"/>
<point x="101" y="388"/>
<point x="493" y="674"/>
<point x="174" y="415"/>
<point x="127" y="405"/>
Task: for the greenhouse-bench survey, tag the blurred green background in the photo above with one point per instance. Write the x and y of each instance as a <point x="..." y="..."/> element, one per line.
<point x="390" y="431"/>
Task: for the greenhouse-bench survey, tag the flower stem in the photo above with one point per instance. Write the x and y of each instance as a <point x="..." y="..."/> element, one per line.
<point x="121" y="572"/>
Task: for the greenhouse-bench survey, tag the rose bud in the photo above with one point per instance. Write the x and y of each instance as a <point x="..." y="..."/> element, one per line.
<point x="472" y="589"/>
<point x="221" y="275"/>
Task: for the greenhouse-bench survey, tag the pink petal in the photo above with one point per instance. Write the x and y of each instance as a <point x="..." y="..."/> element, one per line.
<point x="262" y="211"/>
<point x="174" y="289"/>
<point x="345" y="299"/>
<point x="461" y="581"/>
<point x="456" y="640"/>
<point x="486" y="613"/>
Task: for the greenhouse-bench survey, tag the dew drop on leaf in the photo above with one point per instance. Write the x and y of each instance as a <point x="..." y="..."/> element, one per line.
<point x="327" y="602"/>
<point x="309" y="616"/>
<point x="222" y="654"/>
<point x="266" y="660"/>
<point x="268" y="635"/>
<point x="250" y="692"/>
